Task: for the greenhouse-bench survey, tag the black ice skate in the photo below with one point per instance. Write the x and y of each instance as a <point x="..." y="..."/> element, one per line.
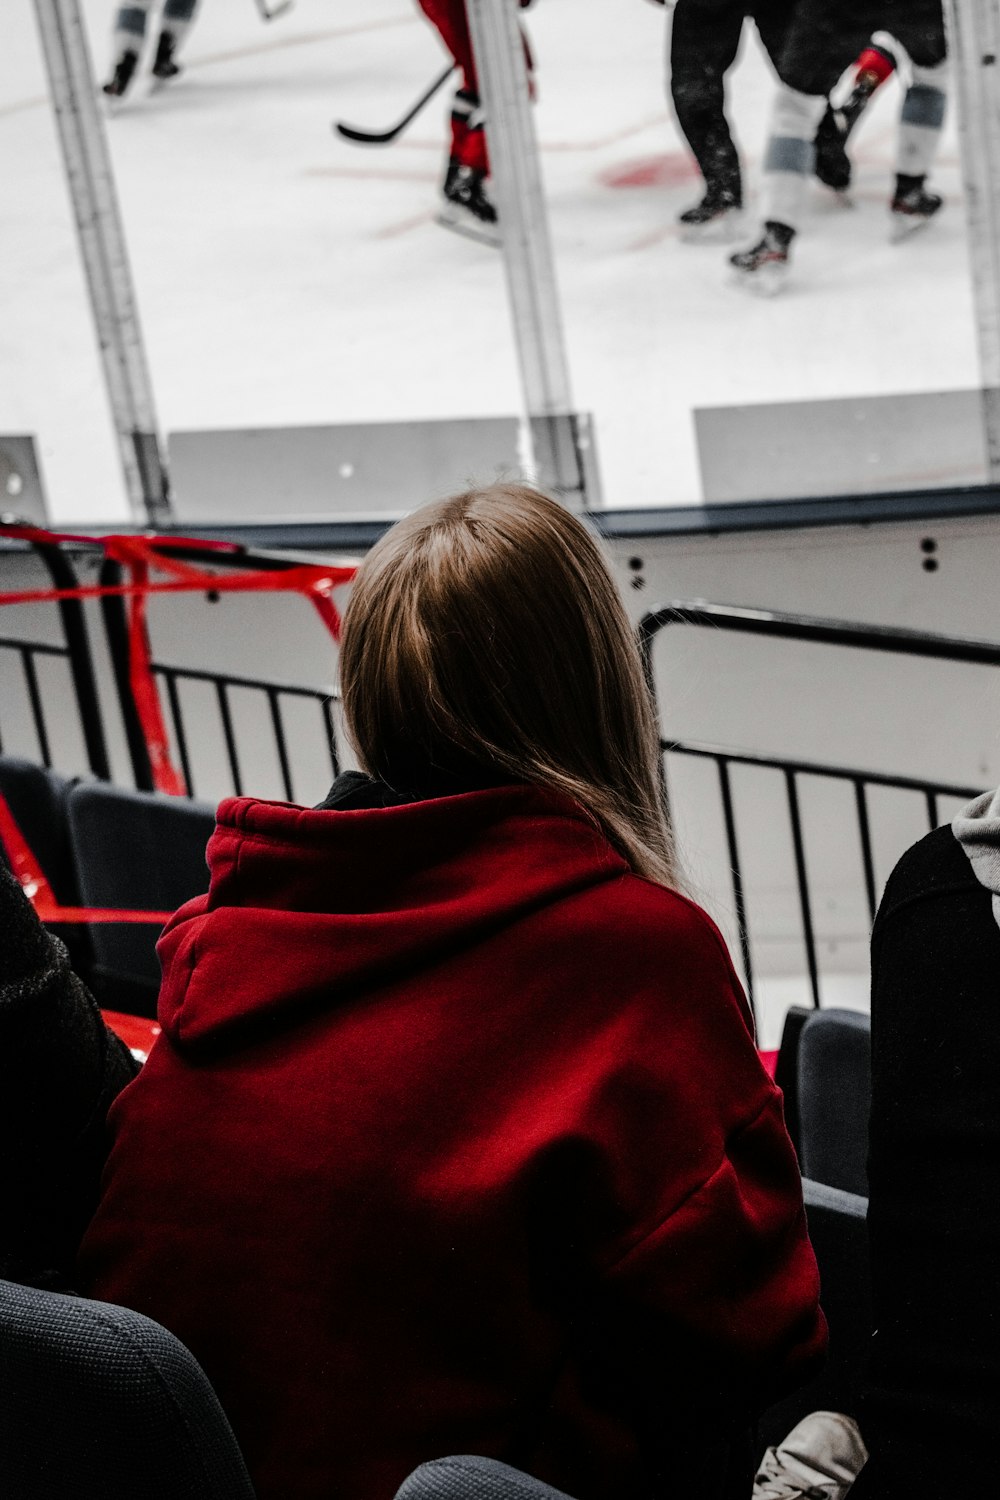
<point x="911" y="207"/>
<point x="164" y="66"/>
<point x="717" y="217"/>
<point x="467" y="207"/>
<point x="122" y="76"/>
<point x="763" y="268"/>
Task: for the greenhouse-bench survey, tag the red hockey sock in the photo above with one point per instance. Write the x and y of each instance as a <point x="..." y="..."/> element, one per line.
<point x="875" y="66"/>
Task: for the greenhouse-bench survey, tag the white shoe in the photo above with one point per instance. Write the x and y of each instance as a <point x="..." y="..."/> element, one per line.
<point x="818" y="1460"/>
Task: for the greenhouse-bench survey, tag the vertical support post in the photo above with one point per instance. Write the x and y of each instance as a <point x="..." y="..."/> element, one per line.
<point x="527" y="250"/>
<point x="974" y="47"/>
<point x="105" y="259"/>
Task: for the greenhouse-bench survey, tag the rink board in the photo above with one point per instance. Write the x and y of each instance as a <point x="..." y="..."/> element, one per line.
<point x="850" y="445"/>
<point x="338" y="471"/>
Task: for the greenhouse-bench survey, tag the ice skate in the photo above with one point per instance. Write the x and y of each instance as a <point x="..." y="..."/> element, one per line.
<point x="122" y="75"/>
<point x="763" y="267"/>
<point x="717" y="218"/>
<point x="467" y="206"/>
<point x="164" y="67"/>
<point x="911" y="209"/>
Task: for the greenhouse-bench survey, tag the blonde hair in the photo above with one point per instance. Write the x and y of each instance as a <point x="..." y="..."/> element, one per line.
<point x="485" y="635"/>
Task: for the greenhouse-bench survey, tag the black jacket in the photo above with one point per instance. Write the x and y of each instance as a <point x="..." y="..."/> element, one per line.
<point x="932" y="1416"/>
<point x="60" y="1068"/>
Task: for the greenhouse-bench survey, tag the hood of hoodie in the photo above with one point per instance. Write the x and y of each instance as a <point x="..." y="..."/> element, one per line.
<point x="312" y="908"/>
<point x="977" y="828"/>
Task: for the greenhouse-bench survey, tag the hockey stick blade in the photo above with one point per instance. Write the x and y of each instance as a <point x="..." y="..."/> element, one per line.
<point x="270" y="13"/>
<point x="383" y="137"/>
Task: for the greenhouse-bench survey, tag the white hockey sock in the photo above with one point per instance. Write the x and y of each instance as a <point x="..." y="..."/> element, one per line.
<point x="178" y="16"/>
<point x="921" y="120"/>
<point x="790" y="155"/>
<point x="130" y="26"/>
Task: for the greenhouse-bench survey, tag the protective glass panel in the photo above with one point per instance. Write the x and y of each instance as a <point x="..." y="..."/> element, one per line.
<point x="860" y="375"/>
<point x="58" y="452"/>
<point x="321" y="347"/>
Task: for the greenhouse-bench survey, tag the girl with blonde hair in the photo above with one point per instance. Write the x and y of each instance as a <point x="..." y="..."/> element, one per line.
<point x="456" y="1138"/>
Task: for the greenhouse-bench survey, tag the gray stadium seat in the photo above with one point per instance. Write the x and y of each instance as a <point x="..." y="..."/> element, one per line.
<point x="834" y="1098"/>
<point x="839" y="1235"/>
<point x="467" y="1477"/>
<point x="136" y="851"/>
<point x="100" y="1403"/>
<point x="37" y="798"/>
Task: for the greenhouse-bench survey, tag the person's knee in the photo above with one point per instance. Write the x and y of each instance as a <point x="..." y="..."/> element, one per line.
<point x="796" y="115"/>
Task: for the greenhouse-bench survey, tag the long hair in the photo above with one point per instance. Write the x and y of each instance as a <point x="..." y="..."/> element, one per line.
<point x="485" y="636"/>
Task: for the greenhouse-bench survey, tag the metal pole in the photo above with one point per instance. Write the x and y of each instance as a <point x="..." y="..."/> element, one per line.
<point x="974" y="45"/>
<point x="527" y="251"/>
<point x="105" y="259"/>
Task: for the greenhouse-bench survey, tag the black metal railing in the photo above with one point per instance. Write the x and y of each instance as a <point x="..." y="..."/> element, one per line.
<point x="75" y="653"/>
<point x="27" y="654"/>
<point x="860" y="780"/>
<point x="827" y="632"/>
<point x="274" y="694"/>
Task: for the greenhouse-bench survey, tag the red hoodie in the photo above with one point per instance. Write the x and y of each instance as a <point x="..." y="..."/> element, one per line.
<point x="456" y="1140"/>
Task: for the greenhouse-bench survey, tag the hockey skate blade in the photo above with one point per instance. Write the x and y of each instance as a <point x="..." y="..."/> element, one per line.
<point x="468" y="226"/>
<point x="768" y="281"/>
<point x="905" y="226"/>
<point x="724" y="230"/>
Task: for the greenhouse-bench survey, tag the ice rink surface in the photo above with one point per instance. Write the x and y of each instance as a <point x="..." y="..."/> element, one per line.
<point x="287" y="277"/>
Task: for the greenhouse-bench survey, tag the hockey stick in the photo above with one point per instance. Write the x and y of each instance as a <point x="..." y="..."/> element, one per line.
<point x="269" y="13"/>
<point x="383" y="137"/>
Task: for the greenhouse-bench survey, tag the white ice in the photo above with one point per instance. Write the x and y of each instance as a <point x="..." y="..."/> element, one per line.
<point x="285" y="276"/>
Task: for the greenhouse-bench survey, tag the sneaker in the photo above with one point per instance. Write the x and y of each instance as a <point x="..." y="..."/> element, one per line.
<point x="764" y="266"/>
<point x="467" y="206"/>
<point x="163" y="63"/>
<point x="122" y="76"/>
<point x="718" y="216"/>
<point x="910" y="210"/>
<point x="819" y="1460"/>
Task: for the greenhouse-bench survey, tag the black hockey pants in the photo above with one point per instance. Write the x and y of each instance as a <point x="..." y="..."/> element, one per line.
<point x="824" y="39"/>
<point x="703" y="46"/>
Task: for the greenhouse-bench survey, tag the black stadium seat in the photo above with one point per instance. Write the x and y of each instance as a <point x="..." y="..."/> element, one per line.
<point x="100" y="1403"/>
<point x="136" y="851"/>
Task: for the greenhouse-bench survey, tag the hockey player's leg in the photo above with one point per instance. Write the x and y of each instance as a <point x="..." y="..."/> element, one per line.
<point x="788" y="166"/>
<point x="703" y="46"/>
<point x="129" y="35"/>
<point x="919" y="136"/>
<point x="467" y="205"/>
<point x="833" y="166"/>
<point x="175" y="24"/>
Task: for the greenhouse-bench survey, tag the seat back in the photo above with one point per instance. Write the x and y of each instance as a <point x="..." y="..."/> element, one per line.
<point x="834" y="1099"/>
<point x="136" y="851"/>
<point x="839" y="1233"/>
<point x="468" y="1477"/>
<point x="37" y="800"/>
<point x="100" y="1403"/>
<point x="786" y="1071"/>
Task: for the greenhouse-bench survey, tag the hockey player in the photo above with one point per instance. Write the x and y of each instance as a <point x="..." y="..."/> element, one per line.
<point x="467" y="207"/>
<point x="704" y="40"/>
<point x="130" y="34"/>
<point x="820" y="45"/>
